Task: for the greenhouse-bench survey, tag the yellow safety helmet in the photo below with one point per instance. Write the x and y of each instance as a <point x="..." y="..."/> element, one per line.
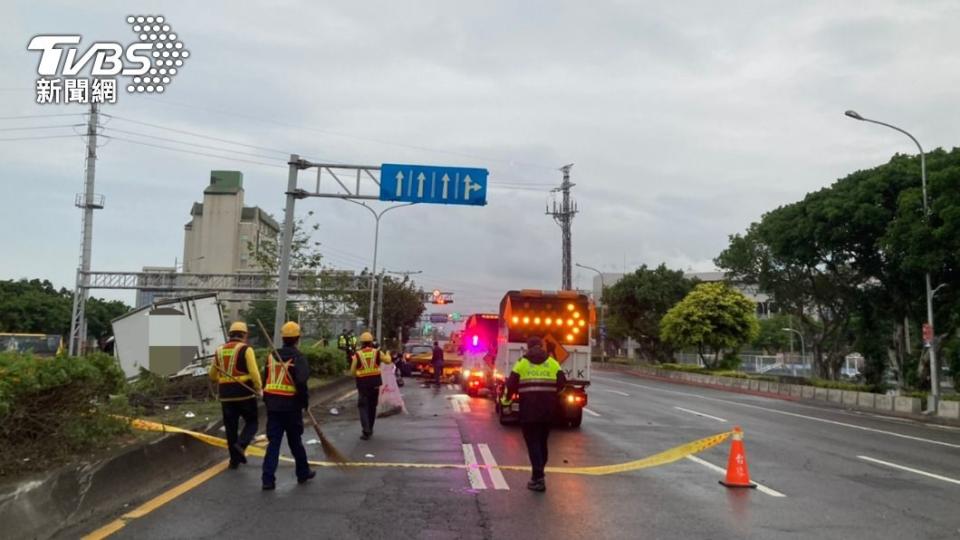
<point x="290" y="329"/>
<point x="366" y="337"/>
<point x="238" y="326"/>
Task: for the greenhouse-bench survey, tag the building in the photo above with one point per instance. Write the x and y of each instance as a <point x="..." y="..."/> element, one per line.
<point x="223" y="235"/>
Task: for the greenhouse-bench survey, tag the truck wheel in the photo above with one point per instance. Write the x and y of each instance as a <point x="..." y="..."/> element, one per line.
<point x="577" y="420"/>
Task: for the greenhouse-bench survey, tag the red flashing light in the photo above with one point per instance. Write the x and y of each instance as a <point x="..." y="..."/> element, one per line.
<point x="476" y="340"/>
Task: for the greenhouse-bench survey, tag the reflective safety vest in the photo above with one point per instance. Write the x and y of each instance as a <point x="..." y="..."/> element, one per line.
<point x="342" y="341"/>
<point x="368" y="364"/>
<point x="231" y="365"/>
<point x="280" y="377"/>
<point x="537" y="377"/>
<point x="353" y="341"/>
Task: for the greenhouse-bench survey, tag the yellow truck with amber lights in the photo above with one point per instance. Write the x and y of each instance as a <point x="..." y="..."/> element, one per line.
<point x="562" y="319"/>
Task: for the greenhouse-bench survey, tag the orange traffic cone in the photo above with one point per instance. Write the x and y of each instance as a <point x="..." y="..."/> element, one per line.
<point x="738" y="474"/>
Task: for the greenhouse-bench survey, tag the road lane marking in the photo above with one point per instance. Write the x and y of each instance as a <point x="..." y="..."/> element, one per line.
<point x="451" y="387"/>
<point x="619" y="393"/>
<point x="911" y="469"/>
<point x="473" y="468"/>
<point x="785" y="413"/>
<point x="588" y="411"/>
<point x="460" y="403"/>
<point x="760" y="487"/>
<point x="717" y="418"/>
<point x="346" y="396"/>
<point x="157" y="502"/>
<point x="499" y="482"/>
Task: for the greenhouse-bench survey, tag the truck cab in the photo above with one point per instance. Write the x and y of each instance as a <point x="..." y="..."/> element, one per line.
<point x="560" y="318"/>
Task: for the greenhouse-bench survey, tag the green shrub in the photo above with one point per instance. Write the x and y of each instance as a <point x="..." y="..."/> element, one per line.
<point x="840" y="385"/>
<point x="54" y="408"/>
<point x="149" y="391"/>
<point x="325" y="361"/>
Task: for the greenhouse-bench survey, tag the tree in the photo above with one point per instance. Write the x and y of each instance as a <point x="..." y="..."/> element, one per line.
<point x="36" y="306"/>
<point x="771" y="338"/>
<point x="402" y="305"/>
<point x="636" y="303"/>
<point x="713" y="317"/>
<point x="264" y="311"/>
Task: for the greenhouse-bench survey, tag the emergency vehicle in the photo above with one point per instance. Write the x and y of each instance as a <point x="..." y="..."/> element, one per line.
<point x="562" y="318"/>
<point x="479" y="348"/>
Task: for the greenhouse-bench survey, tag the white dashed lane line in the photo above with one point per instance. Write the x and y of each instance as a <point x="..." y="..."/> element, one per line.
<point x="760" y="487"/>
<point x="911" y="470"/>
<point x="695" y="413"/>
<point x="590" y="412"/>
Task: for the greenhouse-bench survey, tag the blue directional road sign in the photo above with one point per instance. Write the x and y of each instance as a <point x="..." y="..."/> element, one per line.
<point x="433" y="185"/>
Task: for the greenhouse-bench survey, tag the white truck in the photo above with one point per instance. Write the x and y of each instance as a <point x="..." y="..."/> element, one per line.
<point x="562" y="319"/>
<point x="169" y="335"/>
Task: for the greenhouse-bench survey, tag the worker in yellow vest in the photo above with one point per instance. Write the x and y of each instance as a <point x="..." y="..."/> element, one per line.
<point x="538" y="379"/>
<point x="285" y="395"/>
<point x="365" y="366"/>
<point x="237" y="375"/>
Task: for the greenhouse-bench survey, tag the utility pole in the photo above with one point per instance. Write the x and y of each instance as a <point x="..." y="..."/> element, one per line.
<point x="88" y="201"/>
<point x="563" y="215"/>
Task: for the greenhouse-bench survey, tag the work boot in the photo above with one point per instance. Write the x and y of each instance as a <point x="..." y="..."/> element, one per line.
<point x="241" y="458"/>
<point x="233" y="465"/>
<point x="309" y="476"/>
<point x="365" y="436"/>
<point x="537" y="485"/>
<point x="269" y="487"/>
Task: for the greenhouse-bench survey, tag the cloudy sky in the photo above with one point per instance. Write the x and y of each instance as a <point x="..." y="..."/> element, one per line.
<point x="685" y="120"/>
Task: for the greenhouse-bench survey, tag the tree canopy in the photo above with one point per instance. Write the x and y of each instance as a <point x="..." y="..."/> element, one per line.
<point x="714" y="318"/>
<point x="636" y="303"/>
<point x="36" y="306"/>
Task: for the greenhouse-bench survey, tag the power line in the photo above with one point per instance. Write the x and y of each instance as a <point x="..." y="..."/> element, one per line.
<point x="38" y="137"/>
<point x="230" y="158"/>
<point x="28" y="116"/>
<point x="202" y="136"/>
<point x="31" y="128"/>
<point x="355" y="137"/>
<point x="197" y="145"/>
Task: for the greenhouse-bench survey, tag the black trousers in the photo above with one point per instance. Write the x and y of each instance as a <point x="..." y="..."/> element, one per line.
<point x="437" y="372"/>
<point x="367" y="399"/>
<point x="535" y="434"/>
<point x="233" y="411"/>
<point x="280" y="423"/>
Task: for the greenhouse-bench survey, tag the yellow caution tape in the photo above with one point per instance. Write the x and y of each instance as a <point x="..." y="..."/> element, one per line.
<point x="656" y="460"/>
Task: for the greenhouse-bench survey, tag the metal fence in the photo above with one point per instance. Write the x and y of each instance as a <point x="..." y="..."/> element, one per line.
<point x="779" y="364"/>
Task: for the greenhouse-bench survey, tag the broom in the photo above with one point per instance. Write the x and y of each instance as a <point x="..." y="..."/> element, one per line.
<point x="329" y="450"/>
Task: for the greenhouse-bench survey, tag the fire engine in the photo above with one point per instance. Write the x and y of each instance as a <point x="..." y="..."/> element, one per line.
<point x="560" y="318"/>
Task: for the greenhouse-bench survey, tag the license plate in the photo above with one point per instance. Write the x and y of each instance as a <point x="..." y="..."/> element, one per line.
<point x="515" y="407"/>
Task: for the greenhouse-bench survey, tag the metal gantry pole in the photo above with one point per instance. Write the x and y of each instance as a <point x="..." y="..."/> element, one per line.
<point x="380" y="307"/>
<point x="932" y="403"/>
<point x="283" y="279"/>
<point x="373" y="272"/>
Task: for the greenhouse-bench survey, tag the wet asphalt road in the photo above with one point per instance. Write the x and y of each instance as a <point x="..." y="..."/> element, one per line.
<point x="822" y="461"/>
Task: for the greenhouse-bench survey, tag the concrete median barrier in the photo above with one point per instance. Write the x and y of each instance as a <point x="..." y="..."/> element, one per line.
<point x="949" y="409"/>
<point x="906" y="405"/>
<point x="834" y="395"/>
<point x="883" y="403"/>
<point x="866" y="400"/>
<point x="850" y="397"/>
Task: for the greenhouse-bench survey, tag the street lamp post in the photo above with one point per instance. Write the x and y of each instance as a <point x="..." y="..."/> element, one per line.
<point x="603" y="308"/>
<point x="376" y="242"/>
<point x="803" y="347"/>
<point x="934" y="375"/>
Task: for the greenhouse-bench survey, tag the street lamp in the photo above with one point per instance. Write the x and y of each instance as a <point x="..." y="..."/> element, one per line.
<point x="603" y="308"/>
<point x="803" y="348"/>
<point x="376" y="241"/>
<point x="934" y="375"/>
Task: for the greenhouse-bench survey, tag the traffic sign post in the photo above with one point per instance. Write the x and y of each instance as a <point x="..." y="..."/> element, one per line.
<point x="433" y="185"/>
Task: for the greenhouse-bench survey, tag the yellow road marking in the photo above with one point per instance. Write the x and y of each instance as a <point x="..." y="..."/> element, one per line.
<point x="156" y="502"/>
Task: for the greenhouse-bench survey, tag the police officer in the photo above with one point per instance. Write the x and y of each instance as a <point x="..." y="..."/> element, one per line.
<point x="537" y="378"/>
<point x="237" y="375"/>
<point x="285" y="395"/>
<point x="437" y="361"/>
<point x="365" y="366"/>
